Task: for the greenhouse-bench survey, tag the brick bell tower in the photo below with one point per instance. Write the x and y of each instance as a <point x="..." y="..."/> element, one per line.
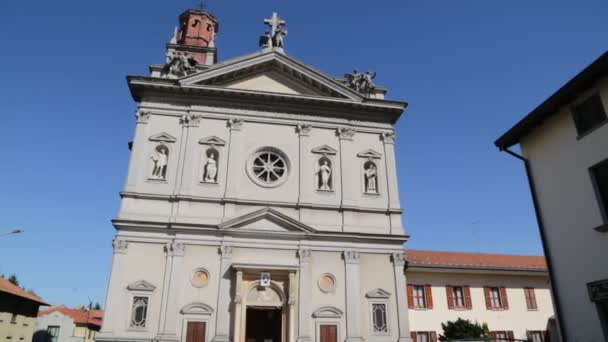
<point x="196" y="36"/>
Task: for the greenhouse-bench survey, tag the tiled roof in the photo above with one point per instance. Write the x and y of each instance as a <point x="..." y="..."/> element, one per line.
<point x="463" y="260"/>
<point x="80" y="316"/>
<point x="8" y="287"/>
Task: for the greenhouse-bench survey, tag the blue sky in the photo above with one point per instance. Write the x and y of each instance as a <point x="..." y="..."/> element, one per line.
<point x="469" y="69"/>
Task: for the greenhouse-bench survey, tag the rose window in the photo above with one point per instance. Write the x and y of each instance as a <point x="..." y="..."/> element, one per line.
<point x="268" y="167"/>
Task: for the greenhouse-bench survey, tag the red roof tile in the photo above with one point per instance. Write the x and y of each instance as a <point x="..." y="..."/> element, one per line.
<point x="475" y="260"/>
<point x="8" y="287"/>
<point x="80" y="316"/>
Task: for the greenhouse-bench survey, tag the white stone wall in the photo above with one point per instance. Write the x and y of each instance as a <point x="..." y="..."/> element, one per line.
<point x="560" y="165"/>
<point x="68" y="331"/>
<point x="235" y="193"/>
<point x="517" y="318"/>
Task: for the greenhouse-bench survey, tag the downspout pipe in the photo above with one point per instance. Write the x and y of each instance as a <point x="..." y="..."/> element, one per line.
<point x="543" y="239"/>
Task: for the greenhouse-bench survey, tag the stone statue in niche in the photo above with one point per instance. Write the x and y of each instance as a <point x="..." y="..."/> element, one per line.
<point x="324" y="175"/>
<point x="371" y="178"/>
<point x="210" y="169"/>
<point x="160" y="158"/>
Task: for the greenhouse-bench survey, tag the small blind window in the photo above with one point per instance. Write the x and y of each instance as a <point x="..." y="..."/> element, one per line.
<point x="589" y="114"/>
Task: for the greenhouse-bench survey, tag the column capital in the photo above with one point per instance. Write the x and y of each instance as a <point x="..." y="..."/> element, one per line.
<point x="175" y="249"/>
<point x="226" y="251"/>
<point x="345" y="133"/>
<point x="398" y="258"/>
<point x="235" y="124"/>
<point x="142" y="116"/>
<point x="303" y="129"/>
<point x="190" y="120"/>
<point x="120" y="246"/>
<point x="388" y="137"/>
<point x="351" y="256"/>
<point x="304" y="254"/>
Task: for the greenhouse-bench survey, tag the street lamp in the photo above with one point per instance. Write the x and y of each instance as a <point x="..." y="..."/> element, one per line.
<point x="16" y="231"/>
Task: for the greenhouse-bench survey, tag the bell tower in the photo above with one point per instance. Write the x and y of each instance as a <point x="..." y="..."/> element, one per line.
<point x="195" y="36"/>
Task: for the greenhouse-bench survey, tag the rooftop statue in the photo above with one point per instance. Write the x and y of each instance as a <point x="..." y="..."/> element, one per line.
<point x="275" y="37"/>
<point x="363" y="83"/>
<point x="178" y="65"/>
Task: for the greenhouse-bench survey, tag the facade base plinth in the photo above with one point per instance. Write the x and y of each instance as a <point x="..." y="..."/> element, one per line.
<point x="304" y="339"/>
<point x="220" y="338"/>
<point x="166" y="338"/>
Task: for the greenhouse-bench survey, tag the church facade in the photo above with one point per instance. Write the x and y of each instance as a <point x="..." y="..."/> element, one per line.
<point x="261" y="202"/>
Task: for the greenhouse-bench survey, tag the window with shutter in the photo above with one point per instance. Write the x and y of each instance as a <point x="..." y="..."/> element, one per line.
<point x="467" y="298"/>
<point x="530" y="298"/>
<point x="504" y="302"/>
<point x="428" y="296"/>
<point x="535" y="336"/>
<point x="419" y="297"/>
<point x="414" y="336"/>
<point x="410" y="296"/>
<point x="459" y="297"/>
<point x="450" y="295"/>
<point x="493" y="300"/>
<point x="599" y="177"/>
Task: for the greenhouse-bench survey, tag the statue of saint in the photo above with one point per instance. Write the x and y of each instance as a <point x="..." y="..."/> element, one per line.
<point x="266" y="40"/>
<point x="160" y="163"/>
<point x="371" y="179"/>
<point x="210" y="169"/>
<point x="279" y="37"/>
<point x="325" y="172"/>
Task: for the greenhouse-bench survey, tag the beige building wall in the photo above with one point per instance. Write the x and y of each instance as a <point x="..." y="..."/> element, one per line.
<point x="560" y="163"/>
<point x="517" y="318"/>
<point x="18" y="330"/>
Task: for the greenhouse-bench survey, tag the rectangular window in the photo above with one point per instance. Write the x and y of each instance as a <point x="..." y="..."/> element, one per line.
<point x="419" y="297"/>
<point x="599" y="175"/>
<point x="458" y="297"/>
<point x="589" y="114"/>
<point x="52" y="333"/>
<point x="424" y="336"/>
<point x="530" y="298"/>
<point x="536" y="336"/>
<point x="14" y="318"/>
<point x="495" y="298"/>
<point x="139" y="312"/>
<point x="379" y="322"/>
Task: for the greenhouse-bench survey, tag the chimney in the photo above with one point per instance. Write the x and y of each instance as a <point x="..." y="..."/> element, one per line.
<point x="196" y="36"/>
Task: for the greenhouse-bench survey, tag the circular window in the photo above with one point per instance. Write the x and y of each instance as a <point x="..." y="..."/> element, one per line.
<point x="268" y="167"/>
<point x="200" y="278"/>
<point x="327" y="282"/>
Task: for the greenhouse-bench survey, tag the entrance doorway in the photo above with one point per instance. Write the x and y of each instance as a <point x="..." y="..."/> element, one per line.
<point x="328" y="333"/>
<point x="263" y="324"/>
<point x="195" y="331"/>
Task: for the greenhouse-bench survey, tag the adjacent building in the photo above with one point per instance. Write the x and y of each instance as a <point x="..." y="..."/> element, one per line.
<point x="18" y="310"/>
<point x="261" y="201"/>
<point x="510" y="293"/>
<point x="564" y="148"/>
<point x="62" y="324"/>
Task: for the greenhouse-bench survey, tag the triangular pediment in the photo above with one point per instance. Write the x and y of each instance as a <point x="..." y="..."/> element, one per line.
<point x="266" y="220"/>
<point x="141" y="285"/>
<point x="163" y="137"/>
<point x="324" y="149"/>
<point x="370" y="154"/>
<point x="212" y="140"/>
<point x="378" y="293"/>
<point x="271" y="72"/>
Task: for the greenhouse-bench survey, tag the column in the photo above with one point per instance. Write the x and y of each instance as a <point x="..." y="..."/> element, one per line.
<point x="167" y="328"/>
<point x="353" y="296"/>
<point x="401" y="298"/>
<point x="392" y="187"/>
<point x="237" y="306"/>
<point x="304" y="315"/>
<point x="234" y="171"/>
<point x="114" y="305"/>
<point x="222" y="316"/>
<point x="138" y="158"/>
<point x="292" y="304"/>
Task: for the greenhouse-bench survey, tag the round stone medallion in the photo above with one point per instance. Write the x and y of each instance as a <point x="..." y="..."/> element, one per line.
<point x="327" y="282"/>
<point x="200" y="277"/>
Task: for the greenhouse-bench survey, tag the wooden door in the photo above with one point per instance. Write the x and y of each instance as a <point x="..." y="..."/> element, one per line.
<point x="329" y="333"/>
<point x="196" y="332"/>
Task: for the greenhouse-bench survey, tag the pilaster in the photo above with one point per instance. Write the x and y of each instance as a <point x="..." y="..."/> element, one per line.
<point x="114" y="304"/>
<point x="353" y="296"/>
<point x="167" y="327"/>
<point x="349" y="177"/>
<point x="392" y="188"/>
<point x="189" y="170"/>
<point x="305" y="328"/>
<point x="222" y="317"/>
<point x="235" y="158"/>
<point x="303" y="131"/>
<point x="292" y="303"/>
<point x="237" y="306"/>
<point x="400" y="297"/>
<point x="137" y="160"/>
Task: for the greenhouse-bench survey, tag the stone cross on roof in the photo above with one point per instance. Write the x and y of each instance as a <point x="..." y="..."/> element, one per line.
<point x="274" y="22"/>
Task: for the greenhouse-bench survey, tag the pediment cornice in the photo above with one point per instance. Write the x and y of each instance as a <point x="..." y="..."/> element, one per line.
<point x="287" y="223"/>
